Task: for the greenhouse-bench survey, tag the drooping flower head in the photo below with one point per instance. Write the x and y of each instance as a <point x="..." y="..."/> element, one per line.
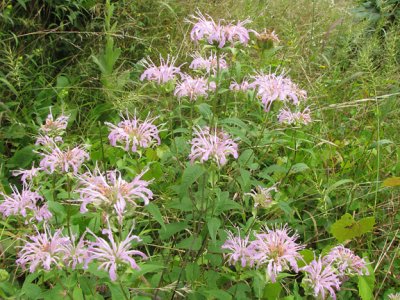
<point x="27" y="175"/>
<point x="25" y="203"/>
<point x="43" y="250"/>
<point x="346" y="262"/>
<point x="134" y="133"/>
<point x="288" y="117"/>
<point x="163" y="73"/>
<point x="193" y="88"/>
<point x="240" y="250"/>
<point x="262" y="196"/>
<point x="205" y="28"/>
<point x="212" y="144"/>
<point x="111" y="253"/>
<point x="320" y="279"/>
<point x="277" y="250"/>
<point x="209" y="64"/>
<point x="69" y="160"/>
<point x="111" y="191"/>
<point x="271" y="87"/>
<point x="54" y="127"/>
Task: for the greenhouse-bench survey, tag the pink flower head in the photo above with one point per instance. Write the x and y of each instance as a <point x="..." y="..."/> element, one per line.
<point x="215" y="144"/>
<point x="110" y="254"/>
<point x="240" y="87"/>
<point x="240" y="250"/>
<point x="277" y="250"/>
<point x="271" y="87"/>
<point x="267" y="36"/>
<point x="193" y="88"/>
<point x="134" y="133"/>
<point x="75" y="253"/>
<point x="25" y="204"/>
<point x="209" y="64"/>
<point x="54" y="127"/>
<point x="346" y="262"/>
<point x="288" y="117"/>
<point x="320" y="278"/>
<point x="163" y="73"/>
<point x="112" y="191"/>
<point x="56" y="159"/>
<point x="43" y="249"/>
<point x="205" y="28"/>
<point x="27" y="175"/>
<point x="262" y="196"/>
<point x="237" y="32"/>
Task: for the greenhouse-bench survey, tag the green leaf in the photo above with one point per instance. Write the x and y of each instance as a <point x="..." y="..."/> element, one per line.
<point x="22" y="158"/>
<point x="31" y="290"/>
<point x="171" y="229"/>
<point x="155" y="212"/>
<point x="272" y="291"/>
<point x="192" y="272"/>
<point x="308" y="256"/>
<point x="299" y="168"/>
<point x="365" y="290"/>
<point x="77" y="293"/>
<point x="347" y="228"/>
<point x="189" y="176"/>
<point x="213" y="225"/>
<point x="191" y="243"/>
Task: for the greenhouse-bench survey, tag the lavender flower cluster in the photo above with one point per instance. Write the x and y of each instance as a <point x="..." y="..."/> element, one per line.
<point x="276" y="251"/>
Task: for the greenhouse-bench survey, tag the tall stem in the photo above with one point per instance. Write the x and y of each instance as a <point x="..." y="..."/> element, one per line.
<point x="216" y="87"/>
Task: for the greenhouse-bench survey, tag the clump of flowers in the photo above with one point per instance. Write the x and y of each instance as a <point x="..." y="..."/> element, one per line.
<point x="209" y="64"/>
<point x="346" y="262"/>
<point x="55" y="159"/>
<point x="110" y="254"/>
<point x="43" y="250"/>
<point x="212" y="144"/>
<point x="240" y="250"/>
<point x="165" y="72"/>
<point x="288" y="117"/>
<point x="271" y="87"/>
<point x="262" y="196"/>
<point x="112" y="191"/>
<point x="134" y="133"/>
<point x="205" y="28"/>
<point x="320" y="279"/>
<point x="25" y="203"/>
<point x="193" y="88"/>
<point x="277" y="250"/>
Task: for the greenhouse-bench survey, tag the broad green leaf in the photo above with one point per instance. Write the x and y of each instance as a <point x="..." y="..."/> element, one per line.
<point x="192" y="271"/>
<point x="347" y="228"/>
<point x="155" y="212"/>
<point x="272" y="291"/>
<point x="364" y="289"/>
<point x="22" y="158"/>
<point x="171" y="229"/>
<point x="191" y="243"/>
<point x="189" y="176"/>
<point x="77" y="294"/>
<point x="213" y="225"/>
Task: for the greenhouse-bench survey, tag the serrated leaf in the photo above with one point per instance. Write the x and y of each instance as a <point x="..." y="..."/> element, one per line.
<point x="213" y="225"/>
<point x="347" y="228"/>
